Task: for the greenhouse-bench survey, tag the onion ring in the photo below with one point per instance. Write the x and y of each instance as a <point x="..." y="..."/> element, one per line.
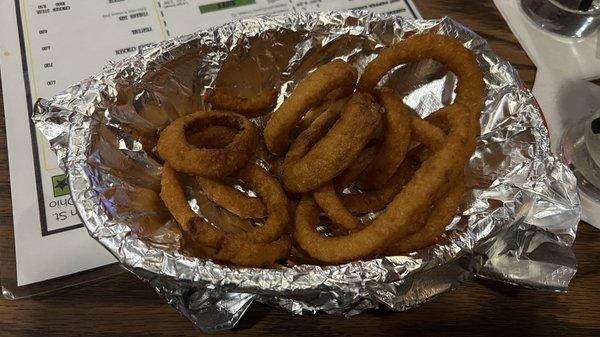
<point x="228" y="222"/>
<point x="253" y="254"/>
<point x="440" y="216"/>
<point x="422" y="130"/>
<point x="231" y="199"/>
<point x="395" y="141"/>
<point x="309" y="93"/>
<point x="211" y="137"/>
<point x="182" y="156"/>
<point x="353" y="171"/>
<point x="314" y="113"/>
<point x="444" y="49"/>
<point x="376" y="200"/>
<point x="427" y="134"/>
<point x="262" y="245"/>
<point x="250" y="107"/>
<point x="327" y="199"/>
<point x="271" y="193"/>
<point x="173" y="195"/>
<point x="307" y="167"/>
<point x="339" y="208"/>
<point x="393" y="224"/>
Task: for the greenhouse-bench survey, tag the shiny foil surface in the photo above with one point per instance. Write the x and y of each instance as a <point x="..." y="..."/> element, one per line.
<point x="516" y="224"/>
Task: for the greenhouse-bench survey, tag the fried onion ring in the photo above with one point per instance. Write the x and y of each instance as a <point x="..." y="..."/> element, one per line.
<point x="444" y="49"/>
<point x="262" y="245"/>
<point x="340" y="208"/>
<point x="353" y="171"/>
<point x="393" y="224"/>
<point x="307" y="167"/>
<point x="395" y="143"/>
<point x="309" y="93"/>
<point x="272" y="195"/>
<point x="427" y="134"/>
<point x="250" y="107"/>
<point x="328" y="200"/>
<point x="314" y="113"/>
<point x="376" y="200"/>
<point x="253" y="254"/>
<point x="231" y="199"/>
<point x="440" y="216"/>
<point x="174" y="148"/>
<point x="228" y="222"/>
<point x="211" y="137"/>
<point x="173" y="195"/>
<point x="423" y="131"/>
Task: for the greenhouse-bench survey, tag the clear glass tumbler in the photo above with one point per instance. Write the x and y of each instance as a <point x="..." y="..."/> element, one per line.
<point x="580" y="149"/>
<point x="570" y="18"/>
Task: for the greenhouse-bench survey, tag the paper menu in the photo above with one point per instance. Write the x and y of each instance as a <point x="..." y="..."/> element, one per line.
<point x="45" y="46"/>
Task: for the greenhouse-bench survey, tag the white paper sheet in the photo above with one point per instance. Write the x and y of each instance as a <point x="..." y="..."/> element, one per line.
<point x="45" y="46"/>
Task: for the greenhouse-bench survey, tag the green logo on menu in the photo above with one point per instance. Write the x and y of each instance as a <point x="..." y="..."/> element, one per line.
<point x="217" y="6"/>
<point x="60" y="185"/>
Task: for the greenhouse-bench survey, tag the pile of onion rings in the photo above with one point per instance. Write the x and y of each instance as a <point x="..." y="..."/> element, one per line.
<point x="340" y="146"/>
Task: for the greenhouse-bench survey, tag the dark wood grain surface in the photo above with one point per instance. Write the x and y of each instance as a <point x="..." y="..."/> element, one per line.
<point x="123" y="306"/>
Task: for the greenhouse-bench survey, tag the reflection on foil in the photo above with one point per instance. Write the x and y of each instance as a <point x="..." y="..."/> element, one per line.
<point x="518" y="220"/>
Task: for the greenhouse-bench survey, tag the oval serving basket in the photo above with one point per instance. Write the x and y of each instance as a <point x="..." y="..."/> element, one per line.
<point x="517" y="222"/>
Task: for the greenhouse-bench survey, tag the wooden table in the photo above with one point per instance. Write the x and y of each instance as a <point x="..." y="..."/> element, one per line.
<point x="125" y="306"/>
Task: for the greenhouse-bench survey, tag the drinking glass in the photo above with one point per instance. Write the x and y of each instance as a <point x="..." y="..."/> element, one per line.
<point x="580" y="150"/>
<point x="570" y="18"/>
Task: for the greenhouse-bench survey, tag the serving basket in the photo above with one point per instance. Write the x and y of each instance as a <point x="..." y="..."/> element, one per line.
<point x="516" y="224"/>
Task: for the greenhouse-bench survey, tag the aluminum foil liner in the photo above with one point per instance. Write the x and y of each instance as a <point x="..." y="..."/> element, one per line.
<point x="516" y="225"/>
